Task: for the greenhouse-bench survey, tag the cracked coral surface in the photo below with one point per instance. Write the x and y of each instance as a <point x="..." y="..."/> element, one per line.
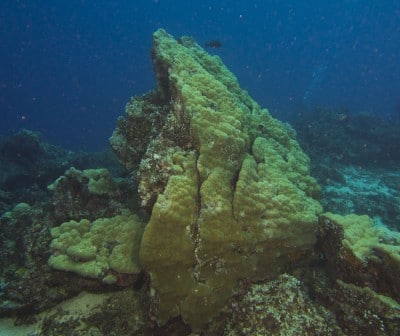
<point x="236" y="201"/>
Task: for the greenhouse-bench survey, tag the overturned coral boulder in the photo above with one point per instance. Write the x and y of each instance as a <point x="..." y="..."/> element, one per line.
<point x="227" y="186"/>
<point x="364" y="266"/>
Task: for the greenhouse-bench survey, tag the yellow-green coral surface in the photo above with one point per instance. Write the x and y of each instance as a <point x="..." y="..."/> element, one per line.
<point x="97" y="250"/>
<point x="236" y="200"/>
<point x="363" y="238"/>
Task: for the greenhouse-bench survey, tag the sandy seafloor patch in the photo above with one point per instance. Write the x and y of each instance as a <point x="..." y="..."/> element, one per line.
<point x="80" y="306"/>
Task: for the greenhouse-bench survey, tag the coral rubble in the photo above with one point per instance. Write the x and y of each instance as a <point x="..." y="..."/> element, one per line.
<point x="280" y="307"/>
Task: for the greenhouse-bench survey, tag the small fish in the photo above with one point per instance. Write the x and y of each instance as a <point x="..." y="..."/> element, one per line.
<point x="213" y="44"/>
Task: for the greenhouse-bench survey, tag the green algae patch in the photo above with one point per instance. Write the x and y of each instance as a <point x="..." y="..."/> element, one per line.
<point x="227" y="186"/>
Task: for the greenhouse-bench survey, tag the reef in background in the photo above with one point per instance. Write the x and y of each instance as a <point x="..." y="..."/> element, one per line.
<point x="356" y="160"/>
<point x="337" y="136"/>
<point x="28" y="165"/>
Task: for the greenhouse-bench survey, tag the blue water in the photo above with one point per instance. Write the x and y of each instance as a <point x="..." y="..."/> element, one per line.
<point x="68" y="67"/>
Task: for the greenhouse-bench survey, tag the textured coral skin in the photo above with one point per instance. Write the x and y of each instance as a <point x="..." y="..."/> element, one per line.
<point x="99" y="249"/>
<point x="227" y="186"/>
